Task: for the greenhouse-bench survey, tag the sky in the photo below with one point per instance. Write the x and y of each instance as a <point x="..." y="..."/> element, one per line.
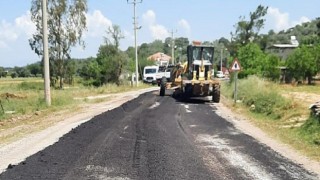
<point x="202" y="20"/>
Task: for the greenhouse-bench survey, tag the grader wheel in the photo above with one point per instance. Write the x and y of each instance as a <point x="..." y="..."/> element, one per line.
<point x="216" y="94"/>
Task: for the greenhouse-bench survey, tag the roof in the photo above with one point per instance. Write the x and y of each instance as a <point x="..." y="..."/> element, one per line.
<point x="285" y="45"/>
<point x="293" y="43"/>
<point x="159" y="56"/>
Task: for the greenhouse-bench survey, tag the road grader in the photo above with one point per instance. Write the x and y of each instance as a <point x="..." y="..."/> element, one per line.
<point x="194" y="78"/>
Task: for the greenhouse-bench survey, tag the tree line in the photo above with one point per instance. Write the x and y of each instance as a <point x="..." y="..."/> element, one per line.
<point x="67" y="22"/>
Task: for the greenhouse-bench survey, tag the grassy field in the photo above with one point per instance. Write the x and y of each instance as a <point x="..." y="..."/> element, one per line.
<point x="27" y="95"/>
<point x="280" y="110"/>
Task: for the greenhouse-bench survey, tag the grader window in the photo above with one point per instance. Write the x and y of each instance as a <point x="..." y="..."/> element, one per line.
<point x="205" y="53"/>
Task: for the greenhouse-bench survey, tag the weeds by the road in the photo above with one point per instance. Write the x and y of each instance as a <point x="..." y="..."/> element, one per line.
<point x="283" y="116"/>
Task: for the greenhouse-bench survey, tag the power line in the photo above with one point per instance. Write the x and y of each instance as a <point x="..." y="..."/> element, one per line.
<point x="172" y="45"/>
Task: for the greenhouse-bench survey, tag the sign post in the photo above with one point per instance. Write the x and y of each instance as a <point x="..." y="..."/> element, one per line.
<point x="235" y="67"/>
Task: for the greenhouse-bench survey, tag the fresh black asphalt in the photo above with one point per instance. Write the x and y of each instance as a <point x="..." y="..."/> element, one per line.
<point x="153" y="137"/>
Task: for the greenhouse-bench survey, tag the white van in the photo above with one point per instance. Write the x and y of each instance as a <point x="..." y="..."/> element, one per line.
<point x="149" y="74"/>
<point x="220" y="74"/>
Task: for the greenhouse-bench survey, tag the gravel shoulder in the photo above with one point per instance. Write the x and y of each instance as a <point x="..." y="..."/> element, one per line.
<point x="242" y="123"/>
<point x="17" y="151"/>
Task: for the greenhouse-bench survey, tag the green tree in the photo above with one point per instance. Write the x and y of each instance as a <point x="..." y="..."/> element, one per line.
<point x="2" y="72"/>
<point x="22" y="71"/>
<point x="271" y="67"/>
<point x="66" y="24"/>
<point x="131" y="61"/>
<point x="119" y="58"/>
<point x="111" y="63"/>
<point x="167" y="44"/>
<point x="247" y="30"/>
<point x="35" y="69"/>
<point x="318" y="26"/>
<point x="13" y="75"/>
<point x="302" y="63"/>
<point x="144" y="51"/>
<point x="252" y="60"/>
<point x="181" y="51"/>
<point x="224" y="41"/>
<point x="155" y="46"/>
<point x="116" y="36"/>
<point x="90" y="72"/>
<point x="71" y="70"/>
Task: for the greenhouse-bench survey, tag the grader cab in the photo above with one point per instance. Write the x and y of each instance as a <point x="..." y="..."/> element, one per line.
<point x="195" y="78"/>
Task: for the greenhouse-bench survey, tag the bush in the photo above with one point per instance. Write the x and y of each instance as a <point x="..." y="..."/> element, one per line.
<point x="310" y="131"/>
<point x="260" y="96"/>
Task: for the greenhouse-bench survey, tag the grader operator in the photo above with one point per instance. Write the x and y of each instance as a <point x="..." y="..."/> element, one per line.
<point x="195" y="78"/>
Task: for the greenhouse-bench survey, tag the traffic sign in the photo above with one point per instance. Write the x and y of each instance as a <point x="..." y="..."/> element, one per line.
<point x="236" y="65"/>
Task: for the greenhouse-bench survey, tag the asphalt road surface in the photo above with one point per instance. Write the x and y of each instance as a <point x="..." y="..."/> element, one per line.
<point x="154" y="137"/>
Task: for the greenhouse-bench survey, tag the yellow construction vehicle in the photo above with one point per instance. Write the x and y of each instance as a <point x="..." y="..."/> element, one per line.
<point x="194" y="78"/>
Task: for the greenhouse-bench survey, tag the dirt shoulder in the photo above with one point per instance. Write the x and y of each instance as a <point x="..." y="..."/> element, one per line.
<point x="246" y="126"/>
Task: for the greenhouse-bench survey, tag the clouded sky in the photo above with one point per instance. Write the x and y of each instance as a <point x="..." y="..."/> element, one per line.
<point x="204" y="20"/>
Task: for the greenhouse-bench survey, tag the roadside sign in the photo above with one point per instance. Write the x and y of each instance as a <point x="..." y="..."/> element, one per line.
<point x="236" y="65"/>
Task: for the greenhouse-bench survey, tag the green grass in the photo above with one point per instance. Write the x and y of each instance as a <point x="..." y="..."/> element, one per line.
<point x="263" y="102"/>
<point x="260" y="97"/>
<point x="310" y="131"/>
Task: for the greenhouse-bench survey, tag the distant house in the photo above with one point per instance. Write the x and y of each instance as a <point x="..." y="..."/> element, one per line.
<point x="160" y="58"/>
<point x="283" y="50"/>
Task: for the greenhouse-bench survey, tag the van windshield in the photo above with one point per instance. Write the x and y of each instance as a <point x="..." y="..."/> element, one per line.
<point x="151" y="71"/>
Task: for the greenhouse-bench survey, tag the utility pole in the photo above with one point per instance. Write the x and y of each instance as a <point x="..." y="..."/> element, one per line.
<point x="221" y="59"/>
<point x="46" y="54"/>
<point x="134" y="2"/>
<point x="172" y="45"/>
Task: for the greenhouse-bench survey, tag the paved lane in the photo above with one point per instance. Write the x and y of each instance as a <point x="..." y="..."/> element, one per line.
<point x="155" y="137"/>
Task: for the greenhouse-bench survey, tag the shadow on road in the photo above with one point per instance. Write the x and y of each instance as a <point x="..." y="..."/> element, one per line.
<point x="191" y="100"/>
<point x="187" y="100"/>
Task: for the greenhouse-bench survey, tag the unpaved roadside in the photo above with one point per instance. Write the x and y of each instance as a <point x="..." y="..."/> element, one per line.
<point x="16" y="152"/>
<point x="242" y="123"/>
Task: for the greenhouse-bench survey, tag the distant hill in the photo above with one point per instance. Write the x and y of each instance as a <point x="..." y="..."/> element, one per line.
<point x="306" y="33"/>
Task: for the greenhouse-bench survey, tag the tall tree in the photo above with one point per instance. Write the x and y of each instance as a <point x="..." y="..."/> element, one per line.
<point x="167" y="43"/>
<point x="131" y="61"/>
<point x="271" y="67"/>
<point x="119" y="57"/>
<point x="71" y="70"/>
<point x="2" y="72"/>
<point x="182" y="44"/>
<point x="252" y="60"/>
<point x="318" y="26"/>
<point x="116" y="35"/>
<point x="111" y="62"/>
<point x="35" y="68"/>
<point x="155" y="46"/>
<point x="247" y="30"/>
<point x="66" y="24"/>
<point x="304" y="62"/>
